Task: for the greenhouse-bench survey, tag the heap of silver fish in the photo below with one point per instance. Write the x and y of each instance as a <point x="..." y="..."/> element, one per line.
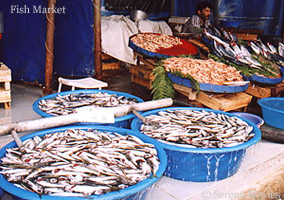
<point x="79" y="163"/>
<point x="63" y="105"/>
<point x="197" y="129"/>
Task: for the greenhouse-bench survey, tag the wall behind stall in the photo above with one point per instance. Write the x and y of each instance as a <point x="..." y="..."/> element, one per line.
<point x="22" y="47"/>
<point x="22" y="44"/>
<point x="266" y="15"/>
<point x="74" y="39"/>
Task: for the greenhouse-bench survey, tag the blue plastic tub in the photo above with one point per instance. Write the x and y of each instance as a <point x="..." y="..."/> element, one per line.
<point x="202" y="165"/>
<point x="273" y="111"/>
<point x="122" y="122"/>
<point x="137" y="192"/>
<point x="258" y="121"/>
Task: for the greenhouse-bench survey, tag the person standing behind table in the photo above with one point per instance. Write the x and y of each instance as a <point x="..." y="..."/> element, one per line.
<point x="200" y="20"/>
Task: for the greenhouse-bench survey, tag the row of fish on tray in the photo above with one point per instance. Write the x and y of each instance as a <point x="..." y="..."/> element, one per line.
<point x="78" y="162"/>
<point x="254" y="54"/>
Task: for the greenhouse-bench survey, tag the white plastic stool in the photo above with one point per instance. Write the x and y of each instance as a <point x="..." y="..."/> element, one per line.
<point x="85" y="83"/>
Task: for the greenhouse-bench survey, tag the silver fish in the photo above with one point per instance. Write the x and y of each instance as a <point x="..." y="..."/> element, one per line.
<point x="77" y="163"/>
<point x="197" y="128"/>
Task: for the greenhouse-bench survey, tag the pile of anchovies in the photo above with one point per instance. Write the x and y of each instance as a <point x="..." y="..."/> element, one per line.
<point x="79" y="163"/>
<point x="197" y="129"/>
<point x="62" y="105"/>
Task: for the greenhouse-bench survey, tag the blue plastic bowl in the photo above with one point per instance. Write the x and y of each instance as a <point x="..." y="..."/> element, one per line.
<point x="202" y="165"/>
<point x="138" y="191"/>
<point x="273" y="111"/>
<point x="258" y="121"/>
<point x="122" y="122"/>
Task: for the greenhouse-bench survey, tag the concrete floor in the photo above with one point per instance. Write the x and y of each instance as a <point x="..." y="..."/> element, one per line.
<point x="261" y="174"/>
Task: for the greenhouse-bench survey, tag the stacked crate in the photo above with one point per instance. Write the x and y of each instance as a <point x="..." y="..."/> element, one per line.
<point x="5" y="88"/>
<point x="142" y="72"/>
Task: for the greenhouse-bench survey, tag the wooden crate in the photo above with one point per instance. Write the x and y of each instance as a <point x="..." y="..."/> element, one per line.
<point x="142" y="71"/>
<point x="262" y="91"/>
<point x="142" y="75"/>
<point x="5" y="73"/>
<point x="109" y="63"/>
<point x="5" y="97"/>
<point x="247" y="36"/>
<point x="224" y="102"/>
<point x="110" y="66"/>
<point x="141" y="81"/>
<point x="5" y="88"/>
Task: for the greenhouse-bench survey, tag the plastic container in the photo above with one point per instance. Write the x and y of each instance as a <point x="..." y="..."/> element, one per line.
<point x="273" y="111"/>
<point x="202" y="165"/>
<point x="209" y="87"/>
<point x="258" y="121"/>
<point x="138" y="191"/>
<point x="122" y="122"/>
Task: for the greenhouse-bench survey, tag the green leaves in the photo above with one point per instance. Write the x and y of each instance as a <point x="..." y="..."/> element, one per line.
<point x="194" y="82"/>
<point x="162" y="86"/>
<point x="245" y="69"/>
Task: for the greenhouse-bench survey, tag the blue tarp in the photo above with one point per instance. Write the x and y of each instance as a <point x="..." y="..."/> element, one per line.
<point x="22" y="47"/>
<point x="266" y="15"/>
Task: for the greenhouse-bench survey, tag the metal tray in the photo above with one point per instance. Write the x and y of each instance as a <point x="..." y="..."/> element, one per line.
<point x="209" y="87"/>
<point x="185" y="48"/>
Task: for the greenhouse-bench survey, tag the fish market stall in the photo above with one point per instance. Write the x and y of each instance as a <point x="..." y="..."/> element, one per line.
<point x="229" y="94"/>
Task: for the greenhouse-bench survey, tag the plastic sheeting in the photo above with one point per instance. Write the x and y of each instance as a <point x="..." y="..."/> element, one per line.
<point x="266" y="15"/>
<point x="74" y="39"/>
<point x="22" y="47"/>
<point x="22" y="44"/>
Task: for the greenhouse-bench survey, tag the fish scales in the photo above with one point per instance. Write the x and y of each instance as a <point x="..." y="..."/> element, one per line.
<point x="77" y="159"/>
<point x="199" y="128"/>
<point x="62" y="105"/>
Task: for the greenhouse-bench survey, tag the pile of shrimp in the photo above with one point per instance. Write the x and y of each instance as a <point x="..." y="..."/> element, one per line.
<point x="204" y="71"/>
<point x="154" y="42"/>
